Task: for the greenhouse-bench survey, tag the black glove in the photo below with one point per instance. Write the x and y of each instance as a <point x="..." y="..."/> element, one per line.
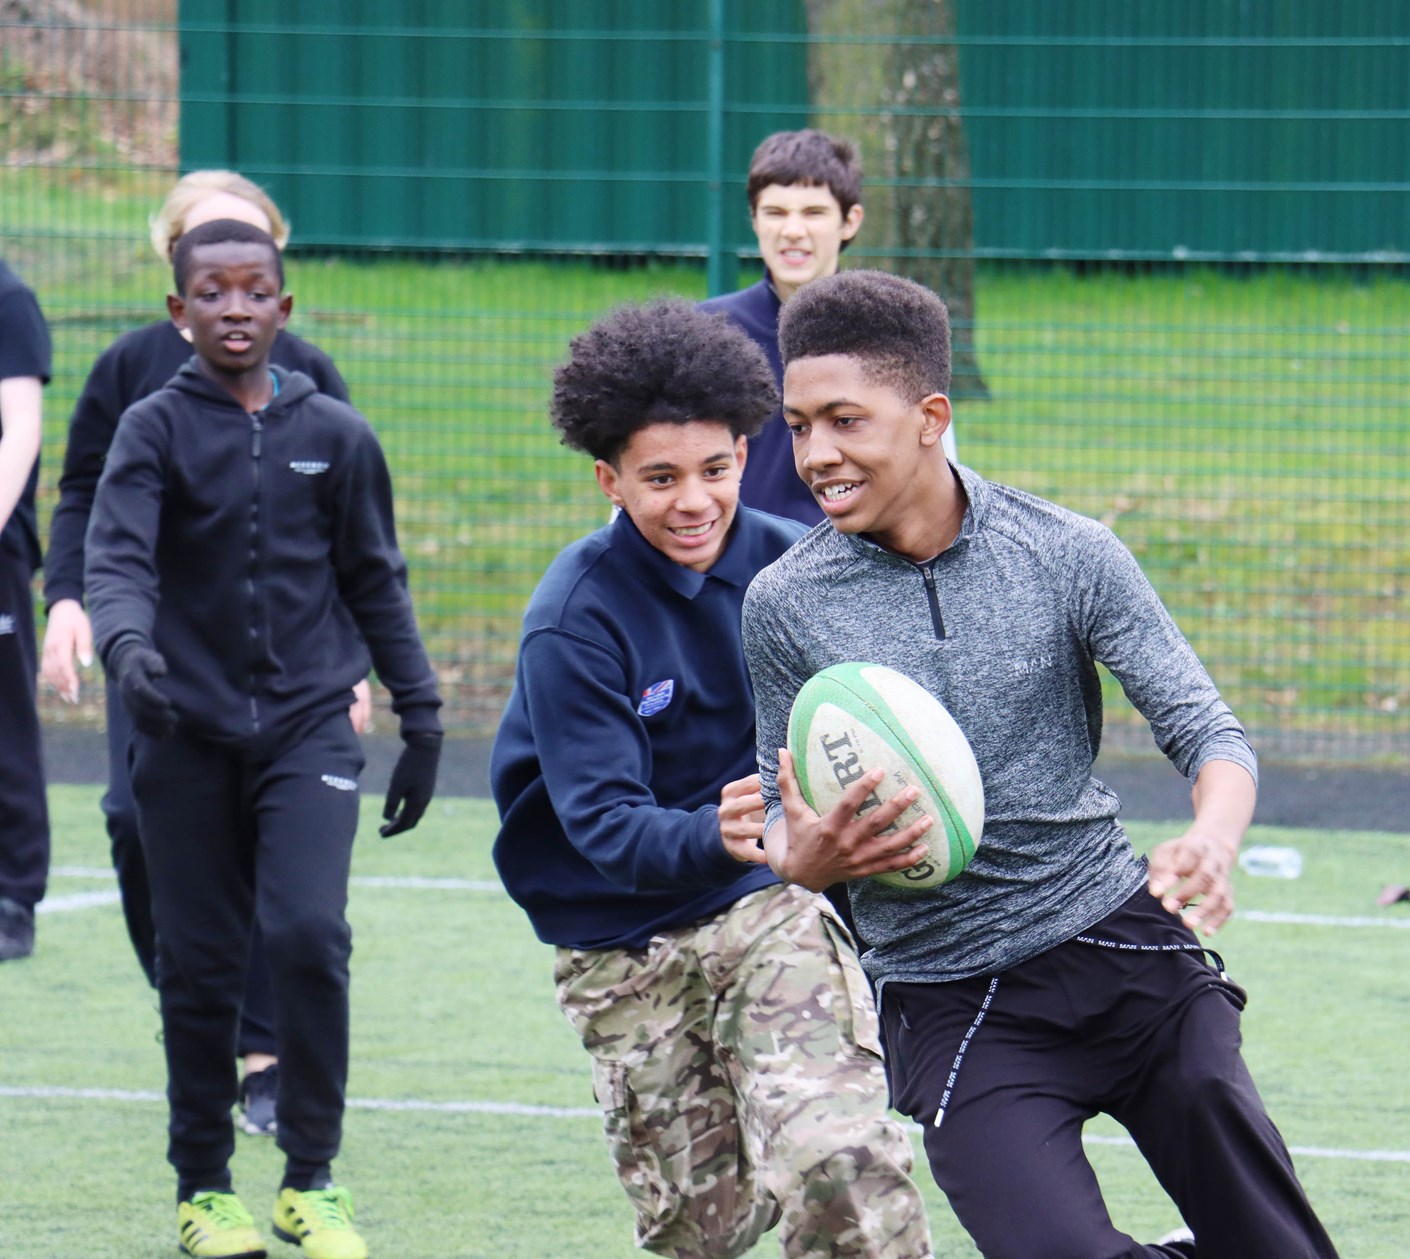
<point x="134" y="666"/>
<point x="413" y="782"/>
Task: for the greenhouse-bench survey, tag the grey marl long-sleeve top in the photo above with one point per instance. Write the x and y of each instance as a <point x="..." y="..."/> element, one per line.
<point x="1006" y="628"/>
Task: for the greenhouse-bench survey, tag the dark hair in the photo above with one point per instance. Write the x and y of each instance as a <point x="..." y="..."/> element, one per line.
<point x="898" y="329"/>
<point x="812" y="158"/>
<point x="218" y="232"/>
<point x="665" y="362"/>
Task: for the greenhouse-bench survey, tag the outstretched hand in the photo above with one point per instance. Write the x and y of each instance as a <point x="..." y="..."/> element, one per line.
<point x="818" y="851"/>
<point x="1190" y="874"/>
<point x="1190" y="877"/>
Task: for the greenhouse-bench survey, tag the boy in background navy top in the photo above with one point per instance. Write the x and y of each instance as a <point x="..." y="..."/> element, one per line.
<point x="805" y="205"/>
<point x="241" y="564"/>
<point x="24" y="813"/>
<point x="725" y="1009"/>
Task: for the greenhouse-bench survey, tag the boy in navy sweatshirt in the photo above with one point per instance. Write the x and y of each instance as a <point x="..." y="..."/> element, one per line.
<point x="242" y="564"/>
<point x="733" y="1041"/>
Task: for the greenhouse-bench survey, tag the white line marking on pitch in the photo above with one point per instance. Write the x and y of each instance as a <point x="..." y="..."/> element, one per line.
<point x="414" y="881"/>
<point x="584" y="1112"/>
<point x="427" y="883"/>
<point x="1318" y="920"/>
<point x="79" y="900"/>
<point x="354" y="1103"/>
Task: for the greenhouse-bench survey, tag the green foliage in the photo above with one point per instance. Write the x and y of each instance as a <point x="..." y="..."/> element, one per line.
<point x="34" y="121"/>
<point x="453" y="1003"/>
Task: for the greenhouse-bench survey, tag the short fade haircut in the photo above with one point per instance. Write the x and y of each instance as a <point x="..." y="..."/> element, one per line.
<point x="811" y="158"/>
<point x="219" y="232"/>
<point x="667" y="362"/>
<point x="898" y="329"/>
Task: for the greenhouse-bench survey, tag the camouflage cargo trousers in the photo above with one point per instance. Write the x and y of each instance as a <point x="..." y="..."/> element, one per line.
<point x="739" y="1071"/>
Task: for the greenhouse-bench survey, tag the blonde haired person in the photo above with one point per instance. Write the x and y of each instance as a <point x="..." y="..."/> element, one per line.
<point x="139" y="363"/>
<point x="202" y="196"/>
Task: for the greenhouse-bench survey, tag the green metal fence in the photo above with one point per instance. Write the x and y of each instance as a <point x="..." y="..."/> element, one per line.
<point x="1173" y="235"/>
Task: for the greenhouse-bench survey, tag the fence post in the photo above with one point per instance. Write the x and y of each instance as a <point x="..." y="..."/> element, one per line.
<point x="722" y="268"/>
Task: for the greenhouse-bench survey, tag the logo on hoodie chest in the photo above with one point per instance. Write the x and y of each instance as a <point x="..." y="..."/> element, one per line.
<point x="309" y="467"/>
<point x="656" y="697"/>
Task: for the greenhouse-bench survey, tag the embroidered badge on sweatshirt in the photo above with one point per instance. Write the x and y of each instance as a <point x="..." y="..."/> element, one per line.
<point x="656" y="697"/>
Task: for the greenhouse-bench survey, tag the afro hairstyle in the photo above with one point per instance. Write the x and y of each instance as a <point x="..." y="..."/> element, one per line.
<point x="220" y="232"/>
<point x="666" y="362"/>
<point x="898" y="329"/>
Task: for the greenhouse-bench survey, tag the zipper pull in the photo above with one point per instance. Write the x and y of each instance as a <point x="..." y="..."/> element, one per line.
<point x="258" y="429"/>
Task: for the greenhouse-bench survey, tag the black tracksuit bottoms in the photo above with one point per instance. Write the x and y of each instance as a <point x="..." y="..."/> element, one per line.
<point x="230" y="835"/>
<point x="1126" y="1019"/>
<point x="120" y="811"/>
<point x="24" y="810"/>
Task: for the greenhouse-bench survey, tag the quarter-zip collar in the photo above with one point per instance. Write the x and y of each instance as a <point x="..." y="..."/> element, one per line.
<point x="976" y="492"/>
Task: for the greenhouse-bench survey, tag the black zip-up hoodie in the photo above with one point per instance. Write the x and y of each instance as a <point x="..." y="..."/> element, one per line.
<point x="258" y="554"/>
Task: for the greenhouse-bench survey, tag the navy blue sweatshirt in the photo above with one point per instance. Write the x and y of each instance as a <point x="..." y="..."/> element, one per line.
<point x="138" y="363"/>
<point x="771" y="481"/>
<point x="24" y="351"/>
<point x="631" y="709"/>
<point x="258" y="554"/>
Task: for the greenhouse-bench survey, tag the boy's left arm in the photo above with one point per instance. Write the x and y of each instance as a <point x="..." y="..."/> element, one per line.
<point x="371" y="575"/>
<point x="1130" y="631"/>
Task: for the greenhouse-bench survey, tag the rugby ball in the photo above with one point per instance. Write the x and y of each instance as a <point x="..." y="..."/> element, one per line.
<point x="854" y="717"/>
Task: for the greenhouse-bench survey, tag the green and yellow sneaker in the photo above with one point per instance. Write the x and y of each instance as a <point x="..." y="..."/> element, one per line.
<point x="217" y="1226"/>
<point x="319" y="1222"/>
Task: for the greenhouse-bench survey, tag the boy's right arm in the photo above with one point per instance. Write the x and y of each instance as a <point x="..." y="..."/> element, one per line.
<point x="120" y="573"/>
<point x="595" y="754"/>
<point x="803" y="847"/>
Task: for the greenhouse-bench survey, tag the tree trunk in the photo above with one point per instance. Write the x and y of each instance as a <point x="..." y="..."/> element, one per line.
<point x="901" y="102"/>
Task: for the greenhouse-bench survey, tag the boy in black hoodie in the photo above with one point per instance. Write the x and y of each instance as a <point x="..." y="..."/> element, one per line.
<point x="242" y="550"/>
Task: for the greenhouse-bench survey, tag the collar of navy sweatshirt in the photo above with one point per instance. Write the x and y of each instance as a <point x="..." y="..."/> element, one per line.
<point x="734" y="566"/>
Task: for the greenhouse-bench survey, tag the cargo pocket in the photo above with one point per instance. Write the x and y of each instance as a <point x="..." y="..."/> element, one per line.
<point x="861" y="1028"/>
<point x="656" y="1200"/>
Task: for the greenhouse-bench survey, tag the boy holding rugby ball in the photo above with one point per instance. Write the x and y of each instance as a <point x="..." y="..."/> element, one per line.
<point x="1058" y="976"/>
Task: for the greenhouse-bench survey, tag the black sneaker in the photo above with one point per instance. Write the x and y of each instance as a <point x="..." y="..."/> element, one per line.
<point x="258" y="1092"/>
<point x="16" y="930"/>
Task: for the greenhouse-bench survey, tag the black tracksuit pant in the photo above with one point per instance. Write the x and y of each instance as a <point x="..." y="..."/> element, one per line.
<point x="232" y="835"/>
<point x="1127" y="1019"/>
<point x="24" y="810"/>
<point x="257" y="1010"/>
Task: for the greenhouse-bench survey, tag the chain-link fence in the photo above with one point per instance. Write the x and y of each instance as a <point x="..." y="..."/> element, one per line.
<point x="1173" y="237"/>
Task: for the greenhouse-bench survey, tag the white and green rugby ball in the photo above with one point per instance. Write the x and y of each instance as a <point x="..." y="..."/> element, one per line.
<point x="854" y="717"/>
